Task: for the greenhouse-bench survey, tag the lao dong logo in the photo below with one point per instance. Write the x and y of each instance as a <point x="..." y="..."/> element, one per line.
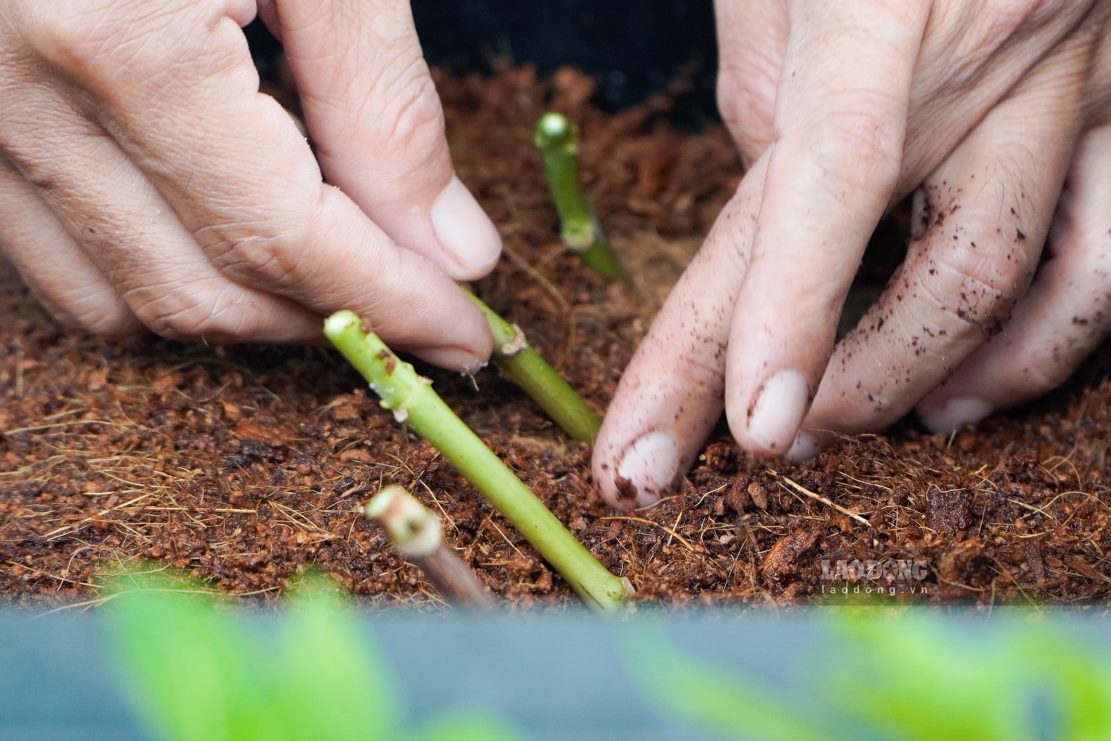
<point x="888" y="576"/>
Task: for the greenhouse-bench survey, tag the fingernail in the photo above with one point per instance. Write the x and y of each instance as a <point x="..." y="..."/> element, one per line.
<point x="465" y="231"/>
<point x="472" y="370"/>
<point x="777" y="411"/>
<point x="803" y="448"/>
<point x="954" y="414"/>
<point x="453" y="359"/>
<point x="649" y="466"/>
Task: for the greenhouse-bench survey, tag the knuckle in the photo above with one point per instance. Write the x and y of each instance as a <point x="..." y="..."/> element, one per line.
<point x="71" y="39"/>
<point x="173" y="316"/>
<point x="262" y="251"/>
<point x="863" y="149"/>
<point x="1011" y="16"/>
<point x="103" y="319"/>
<point x="97" y="43"/>
<point x="412" y="118"/>
<point x="978" y="286"/>
<point x="186" y="313"/>
<point x="56" y="31"/>
<point x="47" y="163"/>
<point x="265" y="258"/>
<point x="746" y="102"/>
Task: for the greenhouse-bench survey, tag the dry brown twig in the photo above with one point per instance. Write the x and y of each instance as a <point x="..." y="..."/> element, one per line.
<point x="806" y="492"/>
<point x="417" y="533"/>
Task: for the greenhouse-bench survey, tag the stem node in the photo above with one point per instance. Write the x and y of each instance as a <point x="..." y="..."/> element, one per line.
<point x="521" y="364"/>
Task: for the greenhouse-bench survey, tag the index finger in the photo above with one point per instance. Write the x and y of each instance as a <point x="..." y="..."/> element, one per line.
<point x="840" y="126"/>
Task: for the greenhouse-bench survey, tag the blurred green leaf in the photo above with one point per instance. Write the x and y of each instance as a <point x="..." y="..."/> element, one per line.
<point x="467" y="726"/>
<point x="899" y="674"/>
<point x="188" y="665"/>
<point x="194" y="672"/>
<point x="733" y="705"/>
<point x="1077" y="680"/>
<point x="907" y="677"/>
<point x="337" y="684"/>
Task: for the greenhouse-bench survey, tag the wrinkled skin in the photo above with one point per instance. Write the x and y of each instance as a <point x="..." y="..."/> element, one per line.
<point x="995" y="114"/>
<point x="145" y="181"/>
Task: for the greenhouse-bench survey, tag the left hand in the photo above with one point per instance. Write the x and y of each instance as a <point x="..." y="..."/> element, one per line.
<point x="146" y="182"/>
<point x="841" y="109"/>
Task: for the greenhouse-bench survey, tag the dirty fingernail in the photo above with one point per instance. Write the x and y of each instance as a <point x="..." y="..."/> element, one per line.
<point x="777" y="411"/>
<point x="954" y="414"/>
<point x="465" y="232"/>
<point x="650" y="465"/>
<point x="803" y="448"/>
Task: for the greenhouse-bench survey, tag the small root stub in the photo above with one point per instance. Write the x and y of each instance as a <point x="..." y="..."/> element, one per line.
<point x="417" y="533"/>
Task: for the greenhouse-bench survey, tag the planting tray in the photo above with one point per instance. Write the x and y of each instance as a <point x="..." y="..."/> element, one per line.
<point x="552" y="676"/>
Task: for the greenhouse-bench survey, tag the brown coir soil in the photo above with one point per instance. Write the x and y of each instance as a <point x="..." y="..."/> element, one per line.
<point x="245" y="465"/>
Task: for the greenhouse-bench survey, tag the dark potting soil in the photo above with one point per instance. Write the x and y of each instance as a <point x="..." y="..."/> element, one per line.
<point x="245" y="465"/>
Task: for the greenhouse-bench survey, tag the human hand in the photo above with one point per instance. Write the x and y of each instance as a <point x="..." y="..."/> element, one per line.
<point x="144" y="180"/>
<point x="841" y="109"/>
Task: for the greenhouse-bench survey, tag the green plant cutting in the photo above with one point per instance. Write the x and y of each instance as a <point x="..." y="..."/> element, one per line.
<point x="521" y="364"/>
<point x="194" y="671"/>
<point x="558" y="140"/>
<point x="413" y="401"/>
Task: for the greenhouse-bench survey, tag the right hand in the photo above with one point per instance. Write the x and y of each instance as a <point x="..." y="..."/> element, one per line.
<point x="144" y="180"/>
<point x="841" y="109"/>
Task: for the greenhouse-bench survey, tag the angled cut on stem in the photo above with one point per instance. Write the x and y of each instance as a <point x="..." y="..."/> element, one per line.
<point x="520" y="363"/>
<point x="558" y="140"/>
<point x="411" y="399"/>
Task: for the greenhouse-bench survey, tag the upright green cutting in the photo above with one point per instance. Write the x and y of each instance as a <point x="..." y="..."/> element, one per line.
<point x="558" y="140"/>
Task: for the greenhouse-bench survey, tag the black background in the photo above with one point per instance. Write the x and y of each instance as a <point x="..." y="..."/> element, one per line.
<point x="633" y="48"/>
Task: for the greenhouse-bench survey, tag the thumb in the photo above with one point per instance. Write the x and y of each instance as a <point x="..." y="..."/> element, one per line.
<point x="378" y="127"/>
